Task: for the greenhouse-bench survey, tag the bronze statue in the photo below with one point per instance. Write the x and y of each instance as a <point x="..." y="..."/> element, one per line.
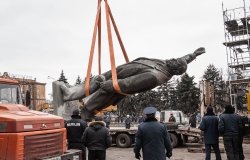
<point x="139" y="75"/>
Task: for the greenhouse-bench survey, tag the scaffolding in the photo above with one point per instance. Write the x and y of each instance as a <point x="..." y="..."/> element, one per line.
<point x="237" y="42"/>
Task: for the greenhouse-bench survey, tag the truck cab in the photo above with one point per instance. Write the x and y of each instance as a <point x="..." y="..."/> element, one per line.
<point x="9" y="92"/>
<point x="179" y="116"/>
<point x="27" y="134"/>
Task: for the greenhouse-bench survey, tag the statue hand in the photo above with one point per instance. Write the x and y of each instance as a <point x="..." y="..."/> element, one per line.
<point x="199" y="51"/>
<point x="107" y="86"/>
<point x="99" y="79"/>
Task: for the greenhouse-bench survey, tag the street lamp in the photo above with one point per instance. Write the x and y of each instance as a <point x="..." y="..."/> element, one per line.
<point x="50" y="87"/>
<point x="49" y="77"/>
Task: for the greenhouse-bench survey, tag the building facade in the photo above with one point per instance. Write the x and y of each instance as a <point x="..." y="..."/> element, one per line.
<point x="33" y="92"/>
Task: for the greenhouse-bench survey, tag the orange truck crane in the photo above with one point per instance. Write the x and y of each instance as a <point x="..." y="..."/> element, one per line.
<point x="26" y="134"/>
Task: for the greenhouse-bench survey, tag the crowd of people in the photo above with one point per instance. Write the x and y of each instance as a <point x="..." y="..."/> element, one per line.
<point x="230" y="126"/>
<point x="152" y="137"/>
<point x="92" y="135"/>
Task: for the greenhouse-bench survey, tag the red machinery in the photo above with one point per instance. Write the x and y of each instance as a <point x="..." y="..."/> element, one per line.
<point x="27" y="134"/>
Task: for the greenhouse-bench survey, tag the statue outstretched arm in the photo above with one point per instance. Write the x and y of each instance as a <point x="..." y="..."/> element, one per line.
<point x="190" y="57"/>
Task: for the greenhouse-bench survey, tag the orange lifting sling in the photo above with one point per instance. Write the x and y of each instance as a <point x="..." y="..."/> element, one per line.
<point x="111" y="48"/>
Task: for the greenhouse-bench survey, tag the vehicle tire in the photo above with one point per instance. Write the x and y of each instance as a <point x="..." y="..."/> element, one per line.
<point x="173" y="139"/>
<point x="123" y="140"/>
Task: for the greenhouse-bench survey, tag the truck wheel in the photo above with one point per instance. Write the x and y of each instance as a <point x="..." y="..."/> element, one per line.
<point x="173" y="139"/>
<point x="123" y="140"/>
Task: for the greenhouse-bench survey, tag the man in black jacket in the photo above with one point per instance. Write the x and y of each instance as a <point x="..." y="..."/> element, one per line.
<point x="192" y="120"/>
<point x="171" y="118"/>
<point x="75" y="128"/>
<point x="128" y="122"/>
<point x="152" y="137"/>
<point x="243" y="132"/>
<point x="230" y="125"/>
<point x="209" y="125"/>
<point x="97" y="139"/>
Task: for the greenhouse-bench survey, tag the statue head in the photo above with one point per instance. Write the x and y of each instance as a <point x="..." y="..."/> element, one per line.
<point x="176" y="66"/>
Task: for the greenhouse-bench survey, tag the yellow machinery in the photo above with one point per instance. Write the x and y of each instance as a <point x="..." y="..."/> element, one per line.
<point x="248" y="100"/>
<point x="110" y="108"/>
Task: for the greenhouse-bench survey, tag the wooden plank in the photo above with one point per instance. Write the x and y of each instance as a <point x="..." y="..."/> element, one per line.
<point x="195" y="150"/>
<point x="202" y="150"/>
<point x="236" y="43"/>
<point x="232" y="24"/>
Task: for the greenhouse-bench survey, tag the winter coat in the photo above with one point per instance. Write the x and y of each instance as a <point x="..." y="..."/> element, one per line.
<point x="107" y="120"/>
<point x="152" y="137"/>
<point x="245" y="125"/>
<point x="230" y="124"/>
<point x="96" y="136"/>
<point x="141" y="119"/>
<point x="209" y="124"/>
<point x="172" y="119"/>
<point x="192" y="121"/>
<point x="128" y="121"/>
<point x="75" y="128"/>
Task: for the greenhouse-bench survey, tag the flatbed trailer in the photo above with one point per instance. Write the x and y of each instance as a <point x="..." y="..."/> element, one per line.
<point x="181" y="135"/>
<point x="122" y="137"/>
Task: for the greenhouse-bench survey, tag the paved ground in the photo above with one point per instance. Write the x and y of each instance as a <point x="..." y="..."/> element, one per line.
<point x="182" y="153"/>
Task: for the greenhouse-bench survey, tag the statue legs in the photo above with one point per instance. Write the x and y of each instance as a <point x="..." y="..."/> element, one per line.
<point x="98" y="101"/>
<point x="70" y="93"/>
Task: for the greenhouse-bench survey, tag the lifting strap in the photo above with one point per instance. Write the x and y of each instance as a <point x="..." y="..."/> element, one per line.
<point x="111" y="48"/>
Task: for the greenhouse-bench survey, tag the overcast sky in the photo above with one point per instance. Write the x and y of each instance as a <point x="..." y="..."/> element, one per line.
<point x="40" y="38"/>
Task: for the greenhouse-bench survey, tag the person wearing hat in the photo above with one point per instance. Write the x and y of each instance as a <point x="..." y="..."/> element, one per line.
<point x="153" y="138"/>
<point x="141" y="119"/>
<point x="230" y="126"/>
<point x="128" y="122"/>
<point x="192" y="120"/>
<point x="97" y="139"/>
<point x="171" y="118"/>
<point x="209" y="125"/>
<point x="75" y="128"/>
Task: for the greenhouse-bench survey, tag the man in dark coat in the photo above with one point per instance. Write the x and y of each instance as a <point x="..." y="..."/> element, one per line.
<point x="192" y="120"/>
<point x="171" y="118"/>
<point x="209" y="125"/>
<point x="243" y="132"/>
<point x="75" y="128"/>
<point x="137" y="76"/>
<point x="141" y="119"/>
<point x="97" y="139"/>
<point x="128" y="122"/>
<point x="107" y="120"/>
<point x="153" y="138"/>
<point x="230" y="125"/>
